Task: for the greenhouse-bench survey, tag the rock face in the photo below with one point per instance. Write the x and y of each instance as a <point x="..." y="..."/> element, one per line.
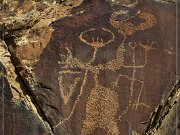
<point x="16" y="114"/>
<point x="90" y="67"/>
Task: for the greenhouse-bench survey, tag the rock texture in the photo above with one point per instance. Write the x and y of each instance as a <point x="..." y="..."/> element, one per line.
<point x="89" y="67"/>
<point x="16" y="106"/>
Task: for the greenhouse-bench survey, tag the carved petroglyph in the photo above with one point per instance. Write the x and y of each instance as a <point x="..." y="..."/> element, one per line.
<point x="103" y="105"/>
<point x="96" y="43"/>
<point x="66" y="92"/>
<point x="71" y="62"/>
<point x="135" y="104"/>
<point x="127" y="28"/>
<point x="101" y="111"/>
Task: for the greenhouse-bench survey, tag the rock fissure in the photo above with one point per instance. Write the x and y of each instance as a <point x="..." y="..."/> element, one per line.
<point x="163" y="110"/>
<point x="28" y="90"/>
<point x="92" y="68"/>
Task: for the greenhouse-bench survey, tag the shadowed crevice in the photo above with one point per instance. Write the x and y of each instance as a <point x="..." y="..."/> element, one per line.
<point x="10" y="41"/>
<point x="163" y="110"/>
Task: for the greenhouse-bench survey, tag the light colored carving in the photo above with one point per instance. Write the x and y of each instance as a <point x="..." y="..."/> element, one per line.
<point x="76" y="102"/>
<point x="96" y="43"/>
<point x="64" y="92"/>
<point x="103" y="105"/>
<point x="127" y="28"/>
<point x="101" y="111"/>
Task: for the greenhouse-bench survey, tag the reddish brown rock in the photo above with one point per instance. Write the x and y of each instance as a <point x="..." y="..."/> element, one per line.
<point x="16" y="116"/>
<point x="102" y="70"/>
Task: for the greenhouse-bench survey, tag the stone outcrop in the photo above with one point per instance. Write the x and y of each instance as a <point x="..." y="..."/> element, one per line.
<point x="89" y="67"/>
<point x="19" y="115"/>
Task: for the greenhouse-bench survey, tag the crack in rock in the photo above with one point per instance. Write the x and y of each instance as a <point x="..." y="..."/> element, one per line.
<point x="159" y="116"/>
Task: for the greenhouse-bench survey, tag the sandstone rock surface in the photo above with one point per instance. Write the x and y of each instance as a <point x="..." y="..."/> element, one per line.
<point x="89" y="67"/>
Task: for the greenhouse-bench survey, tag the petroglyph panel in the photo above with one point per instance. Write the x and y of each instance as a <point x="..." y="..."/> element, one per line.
<point x="105" y="69"/>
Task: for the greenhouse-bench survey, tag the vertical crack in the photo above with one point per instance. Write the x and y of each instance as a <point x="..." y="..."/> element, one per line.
<point x="163" y="110"/>
<point x="10" y="41"/>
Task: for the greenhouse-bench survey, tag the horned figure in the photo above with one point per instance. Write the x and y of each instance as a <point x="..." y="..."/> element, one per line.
<point x="126" y="28"/>
<point x="103" y="105"/>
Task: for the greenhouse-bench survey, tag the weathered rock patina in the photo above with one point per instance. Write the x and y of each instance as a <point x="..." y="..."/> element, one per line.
<point x="101" y="68"/>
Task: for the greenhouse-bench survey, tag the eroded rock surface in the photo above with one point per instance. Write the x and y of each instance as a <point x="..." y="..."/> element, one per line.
<point x="91" y="67"/>
<point x="18" y="114"/>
